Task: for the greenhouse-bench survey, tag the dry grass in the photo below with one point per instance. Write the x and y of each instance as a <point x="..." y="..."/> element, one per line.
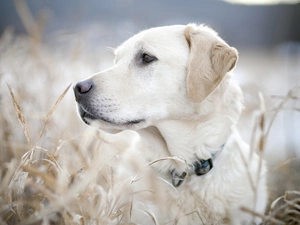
<point x="284" y="209"/>
<point x="54" y="170"/>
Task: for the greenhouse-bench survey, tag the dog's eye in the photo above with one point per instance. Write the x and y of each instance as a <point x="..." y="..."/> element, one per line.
<point x="147" y="58"/>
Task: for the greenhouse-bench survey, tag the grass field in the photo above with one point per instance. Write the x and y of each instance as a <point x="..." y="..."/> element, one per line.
<point x="55" y="170"/>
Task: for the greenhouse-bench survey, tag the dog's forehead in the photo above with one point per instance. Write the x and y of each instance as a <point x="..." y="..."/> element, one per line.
<point x="158" y="37"/>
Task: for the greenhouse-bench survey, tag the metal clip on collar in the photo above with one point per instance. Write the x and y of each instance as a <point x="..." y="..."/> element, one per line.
<point x="176" y="179"/>
<point x="201" y="167"/>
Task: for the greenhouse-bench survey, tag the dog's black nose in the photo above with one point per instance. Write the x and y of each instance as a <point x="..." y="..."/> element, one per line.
<point x="83" y="87"/>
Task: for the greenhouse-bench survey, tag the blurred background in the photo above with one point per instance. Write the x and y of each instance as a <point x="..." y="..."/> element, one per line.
<point x="46" y="45"/>
<point x="261" y="25"/>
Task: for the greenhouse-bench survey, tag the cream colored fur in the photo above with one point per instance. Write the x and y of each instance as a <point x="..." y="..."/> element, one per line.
<point x="188" y="106"/>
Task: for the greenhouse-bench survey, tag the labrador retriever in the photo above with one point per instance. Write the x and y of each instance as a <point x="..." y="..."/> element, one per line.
<point x="171" y="85"/>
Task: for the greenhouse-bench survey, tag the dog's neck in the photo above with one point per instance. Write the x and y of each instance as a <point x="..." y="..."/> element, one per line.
<point x="198" y="138"/>
<point x="191" y="141"/>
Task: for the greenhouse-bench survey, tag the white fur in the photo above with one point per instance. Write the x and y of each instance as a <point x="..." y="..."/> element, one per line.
<point x="175" y="126"/>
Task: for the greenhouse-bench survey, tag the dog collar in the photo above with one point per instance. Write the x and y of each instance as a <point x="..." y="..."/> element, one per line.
<point x="200" y="167"/>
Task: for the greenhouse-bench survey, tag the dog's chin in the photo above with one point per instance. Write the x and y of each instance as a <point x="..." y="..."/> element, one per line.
<point x="111" y="125"/>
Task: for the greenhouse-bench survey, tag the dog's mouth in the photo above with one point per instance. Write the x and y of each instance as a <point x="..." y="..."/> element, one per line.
<point x="88" y="117"/>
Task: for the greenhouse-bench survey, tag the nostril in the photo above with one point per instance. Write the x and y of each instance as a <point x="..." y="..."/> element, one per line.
<point x="83" y="86"/>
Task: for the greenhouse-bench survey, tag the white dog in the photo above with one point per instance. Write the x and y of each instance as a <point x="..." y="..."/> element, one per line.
<point x="171" y="85"/>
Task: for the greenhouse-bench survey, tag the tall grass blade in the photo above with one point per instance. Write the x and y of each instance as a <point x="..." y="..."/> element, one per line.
<point x="20" y="116"/>
<point x="51" y="111"/>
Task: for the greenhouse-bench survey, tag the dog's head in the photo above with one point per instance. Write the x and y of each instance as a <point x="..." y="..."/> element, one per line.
<point x="160" y="73"/>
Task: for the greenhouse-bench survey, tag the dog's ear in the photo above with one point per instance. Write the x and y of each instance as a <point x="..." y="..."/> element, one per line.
<point x="209" y="60"/>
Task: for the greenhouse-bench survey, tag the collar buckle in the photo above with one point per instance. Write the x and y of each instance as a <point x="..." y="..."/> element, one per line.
<point x="203" y="166"/>
<point x="200" y="167"/>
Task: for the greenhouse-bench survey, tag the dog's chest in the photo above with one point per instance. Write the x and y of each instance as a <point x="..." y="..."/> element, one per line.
<point x="199" y="200"/>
